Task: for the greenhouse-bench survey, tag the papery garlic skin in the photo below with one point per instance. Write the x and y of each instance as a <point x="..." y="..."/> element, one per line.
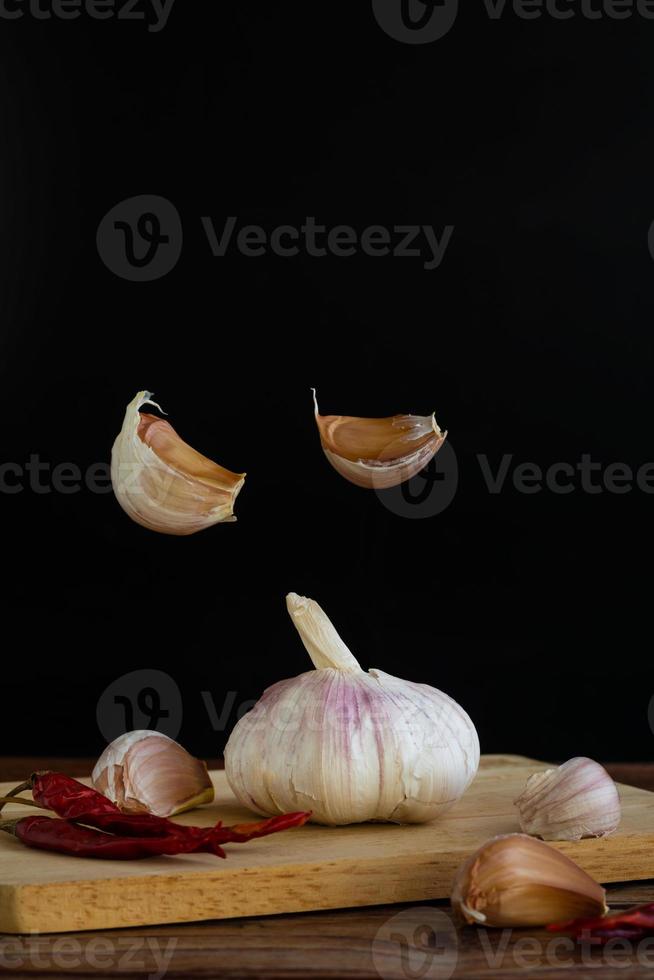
<point x="378" y="453"/>
<point x="162" y="483"/>
<point x="515" y="880"/>
<point x="579" y="799"/>
<point x="148" y="772"/>
<point x="348" y="745"/>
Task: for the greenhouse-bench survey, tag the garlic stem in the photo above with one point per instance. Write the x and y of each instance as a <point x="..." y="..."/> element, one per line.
<point x="322" y="642"/>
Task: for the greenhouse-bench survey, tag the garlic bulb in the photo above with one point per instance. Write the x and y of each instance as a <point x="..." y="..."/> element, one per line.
<point x="164" y="484"/>
<point x="348" y="745"/>
<point x="517" y="880"/>
<point x="147" y="772"/>
<point x="579" y="799"/>
<point x="378" y="453"/>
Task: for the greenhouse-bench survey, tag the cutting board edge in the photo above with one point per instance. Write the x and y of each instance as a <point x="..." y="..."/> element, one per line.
<point x="322" y="889"/>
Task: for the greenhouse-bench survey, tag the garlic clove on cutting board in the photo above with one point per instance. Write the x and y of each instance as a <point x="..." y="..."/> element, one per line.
<point x="579" y="799"/>
<point x="350" y="745"/>
<point x="163" y="483"/>
<point x="378" y="453"/>
<point x="516" y="880"/>
<point x="147" y="772"/>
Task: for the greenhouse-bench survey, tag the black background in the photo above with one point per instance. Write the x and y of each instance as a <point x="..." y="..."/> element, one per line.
<point x="534" y="338"/>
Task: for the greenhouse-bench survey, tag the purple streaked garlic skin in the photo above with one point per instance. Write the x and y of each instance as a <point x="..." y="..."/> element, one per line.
<point x="350" y="745"/>
<point x="147" y="772"/>
<point x="577" y="800"/>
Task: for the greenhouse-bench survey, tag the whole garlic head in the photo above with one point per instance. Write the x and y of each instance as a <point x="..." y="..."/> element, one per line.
<point x="348" y="745"/>
<point x="579" y="799"/>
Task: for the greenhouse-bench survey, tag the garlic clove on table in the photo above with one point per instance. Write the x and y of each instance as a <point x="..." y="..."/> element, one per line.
<point x="516" y="880"/>
<point x="163" y="483"/>
<point x="379" y="453"/>
<point x="579" y="799"/>
<point x="349" y="745"/>
<point x="147" y="772"/>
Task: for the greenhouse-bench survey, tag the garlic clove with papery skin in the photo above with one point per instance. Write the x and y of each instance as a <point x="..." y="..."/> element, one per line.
<point x="349" y="745"/>
<point x="579" y="799"/>
<point x="378" y="453"/>
<point x="147" y="772"/>
<point x="162" y="483"/>
<point x="516" y="880"/>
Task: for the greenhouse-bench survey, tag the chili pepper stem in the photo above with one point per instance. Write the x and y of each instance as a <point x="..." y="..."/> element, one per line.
<point x="19" y="799"/>
<point x="16" y="790"/>
<point x="9" y="826"/>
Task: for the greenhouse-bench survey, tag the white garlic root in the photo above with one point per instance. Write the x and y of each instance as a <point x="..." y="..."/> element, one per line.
<point x="516" y="880"/>
<point x="147" y="772"/>
<point x="579" y="799"/>
<point x="162" y="483"/>
<point x="348" y="745"/>
<point x="379" y="453"/>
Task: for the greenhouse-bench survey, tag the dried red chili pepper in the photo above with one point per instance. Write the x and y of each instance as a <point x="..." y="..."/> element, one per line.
<point x="67" y="797"/>
<point x="633" y="923"/>
<point x="67" y="837"/>
<point x="77" y="804"/>
<point x="240" y="833"/>
<point x="72" y="800"/>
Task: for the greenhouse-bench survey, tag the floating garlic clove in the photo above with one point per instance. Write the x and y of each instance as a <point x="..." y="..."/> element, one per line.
<point x="516" y="880"/>
<point x="348" y="745"/>
<point x="164" y="484"/>
<point x="147" y="772"/>
<point x="579" y="799"/>
<point x="379" y="453"/>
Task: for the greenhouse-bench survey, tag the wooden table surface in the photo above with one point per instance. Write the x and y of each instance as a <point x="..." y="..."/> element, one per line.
<point x="385" y="943"/>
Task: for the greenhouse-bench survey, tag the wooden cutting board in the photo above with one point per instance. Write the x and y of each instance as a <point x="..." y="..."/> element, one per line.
<point x="300" y="870"/>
